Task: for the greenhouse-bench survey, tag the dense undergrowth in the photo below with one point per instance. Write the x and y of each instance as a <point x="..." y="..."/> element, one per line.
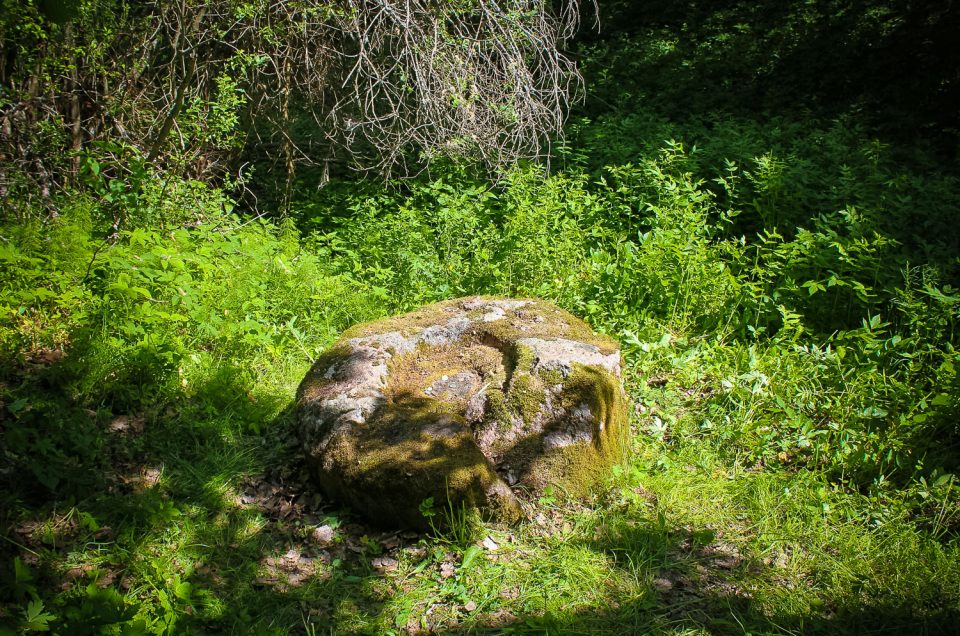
<point x="784" y="289"/>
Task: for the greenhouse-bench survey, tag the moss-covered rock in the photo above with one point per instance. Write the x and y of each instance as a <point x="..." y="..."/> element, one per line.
<point x="467" y="402"/>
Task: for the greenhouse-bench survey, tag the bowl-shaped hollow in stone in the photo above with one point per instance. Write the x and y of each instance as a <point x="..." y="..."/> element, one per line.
<point x="467" y="402"/>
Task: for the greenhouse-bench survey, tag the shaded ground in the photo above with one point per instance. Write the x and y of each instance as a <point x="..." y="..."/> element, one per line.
<point x="199" y="529"/>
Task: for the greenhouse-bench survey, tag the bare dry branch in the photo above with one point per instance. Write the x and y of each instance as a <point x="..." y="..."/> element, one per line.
<point x="392" y="83"/>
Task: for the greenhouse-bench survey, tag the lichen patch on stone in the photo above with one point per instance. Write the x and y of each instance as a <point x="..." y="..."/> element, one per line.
<point x="559" y="354"/>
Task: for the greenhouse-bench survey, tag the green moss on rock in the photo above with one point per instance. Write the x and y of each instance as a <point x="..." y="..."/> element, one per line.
<point x="406" y="324"/>
<point x="526" y="396"/>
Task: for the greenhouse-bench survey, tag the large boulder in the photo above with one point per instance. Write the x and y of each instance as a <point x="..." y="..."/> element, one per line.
<point x="468" y="402"/>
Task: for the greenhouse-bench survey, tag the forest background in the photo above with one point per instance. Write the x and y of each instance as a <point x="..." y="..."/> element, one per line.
<point x="758" y="199"/>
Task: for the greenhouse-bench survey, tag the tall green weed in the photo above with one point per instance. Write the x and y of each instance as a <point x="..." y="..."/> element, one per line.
<point x="826" y="342"/>
<point x="147" y="317"/>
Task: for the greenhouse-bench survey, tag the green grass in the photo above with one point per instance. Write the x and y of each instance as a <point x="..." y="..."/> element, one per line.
<point x="784" y="289"/>
<point x="191" y="534"/>
<point x="778" y="481"/>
